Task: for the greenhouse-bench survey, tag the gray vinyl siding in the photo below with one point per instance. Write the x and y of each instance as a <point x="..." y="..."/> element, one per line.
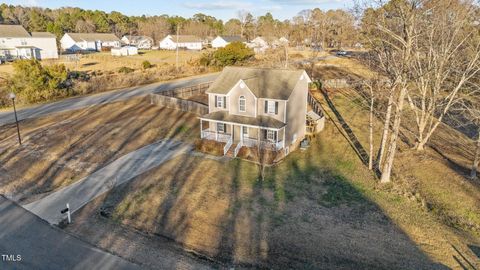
<point x="296" y="112"/>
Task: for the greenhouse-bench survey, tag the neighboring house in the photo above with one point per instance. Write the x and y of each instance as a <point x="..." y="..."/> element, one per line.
<point x="189" y="42"/>
<point x="17" y="43"/>
<point x="259" y="44"/>
<point x="251" y="107"/>
<point x="124" y="51"/>
<point x="283" y="41"/>
<point x="222" y="41"/>
<point x="141" y="42"/>
<point x="74" y="42"/>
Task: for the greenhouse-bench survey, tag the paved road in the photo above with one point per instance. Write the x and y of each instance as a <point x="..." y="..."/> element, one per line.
<point x="42" y="246"/>
<point x="7" y="117"/>
<point x="119" y="171"/>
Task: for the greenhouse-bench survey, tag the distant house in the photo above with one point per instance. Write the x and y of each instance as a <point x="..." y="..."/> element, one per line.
<point x="283" y="41"/>
<point x="259" y="44"/>
<point x="74" y="42"/>
<point x="124" y="51"/>
<point x="141" y="42"/>
<point x="189" y="42"/>
<point x="222" y="41"/>
<point x="17" y="43"/>
<point x="255" y="107"/>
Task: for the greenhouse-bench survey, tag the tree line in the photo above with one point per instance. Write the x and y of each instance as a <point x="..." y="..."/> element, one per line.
<point x="332" y="28"/>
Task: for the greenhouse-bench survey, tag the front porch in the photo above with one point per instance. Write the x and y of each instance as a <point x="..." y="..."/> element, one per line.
<point x="238" y="135"/>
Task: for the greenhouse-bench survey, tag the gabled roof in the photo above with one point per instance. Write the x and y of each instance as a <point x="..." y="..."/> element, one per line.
<point x="185" y="38"/>
<point x="263" y="82"/>
<point x="79" y="37"/>
<point x="13" y="31"/>
<point x="233" y="38"/>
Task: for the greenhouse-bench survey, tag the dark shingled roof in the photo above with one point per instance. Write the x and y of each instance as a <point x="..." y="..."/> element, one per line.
<point x="264" y="83"/>
<point x="233" y="38"/>
<point x="259" y="121"/>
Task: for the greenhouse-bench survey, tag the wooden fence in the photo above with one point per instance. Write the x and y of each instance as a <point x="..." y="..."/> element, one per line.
<point x="316" y="106"/>
<point x="176" y="99"/>
<point x="186" y="92"/>
<point x="336" y="83"/>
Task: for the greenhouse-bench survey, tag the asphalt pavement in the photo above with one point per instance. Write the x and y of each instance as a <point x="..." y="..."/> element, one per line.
<point x="28" y="242"/>
<point x="75" y="103"/>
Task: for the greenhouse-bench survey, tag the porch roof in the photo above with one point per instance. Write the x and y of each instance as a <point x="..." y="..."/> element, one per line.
<point x="259" y="121"/>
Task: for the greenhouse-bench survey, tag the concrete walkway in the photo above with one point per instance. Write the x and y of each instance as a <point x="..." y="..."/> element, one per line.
<point x="119" y="171"/>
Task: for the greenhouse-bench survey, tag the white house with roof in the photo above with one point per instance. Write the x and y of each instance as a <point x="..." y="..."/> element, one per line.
<point x="17" y="43"/>
<point x="222" y="41"/>
<point x="74" y="42"/>
<point x="188" y="42"/>
<point x="256" y="107"/>
<point x="141" y="42"/>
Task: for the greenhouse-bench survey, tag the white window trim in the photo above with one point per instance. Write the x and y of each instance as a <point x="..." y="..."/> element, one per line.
<point x="240" y="99"/>
<point x="272" y="134"/>
<point x="268" y="106"/>
<point x="220" y="130"/>
<point x="244" y="128"/>
<point x="219" y="101"/>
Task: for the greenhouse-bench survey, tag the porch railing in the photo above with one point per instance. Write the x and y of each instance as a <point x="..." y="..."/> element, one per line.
<point x="212" y="135"/>
<point x="227" y="146"/>
<point x="251" y="142"/>
<point x="239" y="145"/>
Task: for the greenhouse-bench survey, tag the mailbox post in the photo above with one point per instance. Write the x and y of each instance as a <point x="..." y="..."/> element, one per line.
<point x="67" y="210"/>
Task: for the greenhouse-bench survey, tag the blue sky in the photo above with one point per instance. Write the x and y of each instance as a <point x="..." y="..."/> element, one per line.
<point x="282" y="9"/>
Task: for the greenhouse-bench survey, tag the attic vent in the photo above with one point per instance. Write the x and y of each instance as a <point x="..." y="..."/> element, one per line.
<point x="301" y="77"/>
<point x="242" y="85"/>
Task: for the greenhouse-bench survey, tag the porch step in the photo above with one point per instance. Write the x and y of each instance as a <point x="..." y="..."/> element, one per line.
<point x="231" y="151"/>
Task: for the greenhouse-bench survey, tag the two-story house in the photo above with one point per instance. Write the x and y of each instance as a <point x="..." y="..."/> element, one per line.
<point x="251" y="107"/>
<point x="17" y="43"/>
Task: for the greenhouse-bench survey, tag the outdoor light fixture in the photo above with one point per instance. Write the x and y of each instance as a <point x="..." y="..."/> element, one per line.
<point x="12" y="96"/>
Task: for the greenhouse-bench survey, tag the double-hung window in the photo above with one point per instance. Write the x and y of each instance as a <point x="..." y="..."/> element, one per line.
<point x="271" y="107"/>
<point x="242" y="104"/>
<point x="271" y="135"/>
<point x="219" y="102"/>
<point x="221" y="127"/>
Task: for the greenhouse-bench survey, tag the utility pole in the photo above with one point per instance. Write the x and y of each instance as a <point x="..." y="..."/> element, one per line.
<point x="176" y="55"/>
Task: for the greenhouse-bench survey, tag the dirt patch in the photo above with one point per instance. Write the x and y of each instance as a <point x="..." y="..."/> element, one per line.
<point x="62" y="148"/>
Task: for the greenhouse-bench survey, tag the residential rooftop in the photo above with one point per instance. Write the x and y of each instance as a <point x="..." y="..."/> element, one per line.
<point x="263" y="82"/>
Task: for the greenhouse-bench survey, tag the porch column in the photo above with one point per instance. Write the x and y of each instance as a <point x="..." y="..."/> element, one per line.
<point x="216" y="131"/>
<point x="201" y="129"/>
<point x="283" y="144"/>
<point x="231" y="136"/>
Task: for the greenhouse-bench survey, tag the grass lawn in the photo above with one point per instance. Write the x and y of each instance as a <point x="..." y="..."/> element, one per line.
<point x="104" y="61"/>
<point x="62" y="148"/>
<point x="318" y="209"/>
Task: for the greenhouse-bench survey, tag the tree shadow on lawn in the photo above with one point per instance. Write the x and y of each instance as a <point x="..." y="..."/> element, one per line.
<point x="118" y="133"/>
<point x="303" y="215"/>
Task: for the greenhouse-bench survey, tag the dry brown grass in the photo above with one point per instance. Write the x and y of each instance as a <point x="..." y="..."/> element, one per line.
<point x="320" y="208"/>
<point x="62" y="148"/>
<point x="104" y="61"/>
